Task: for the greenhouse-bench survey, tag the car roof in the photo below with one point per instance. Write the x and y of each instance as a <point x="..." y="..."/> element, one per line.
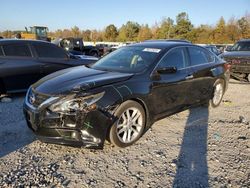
<point x="209" y="46"/>
<point x="20" y="41"/>
<point x="244" y="40"/>
<point x="161" y="44"/>
<point x="168" y="40"/>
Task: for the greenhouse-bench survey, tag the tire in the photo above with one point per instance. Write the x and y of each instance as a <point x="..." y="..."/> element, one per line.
<point x="130" y="124"/>
<point x="218" y="92"/>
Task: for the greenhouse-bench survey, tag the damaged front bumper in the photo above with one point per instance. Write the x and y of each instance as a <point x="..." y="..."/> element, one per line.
<point x="84" y="128"/>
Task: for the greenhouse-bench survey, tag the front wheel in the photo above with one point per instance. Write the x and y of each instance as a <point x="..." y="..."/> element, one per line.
<point x="219" y="89"/>
<point x="129" y="126"/>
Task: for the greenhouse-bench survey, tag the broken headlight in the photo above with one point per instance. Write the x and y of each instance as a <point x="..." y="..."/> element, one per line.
<point x="72" y="104"/>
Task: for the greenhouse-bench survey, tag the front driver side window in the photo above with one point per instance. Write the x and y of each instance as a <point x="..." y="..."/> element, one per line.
<point x="174" y="58"/>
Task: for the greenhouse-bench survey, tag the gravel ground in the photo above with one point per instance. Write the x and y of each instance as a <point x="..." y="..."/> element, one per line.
<point x="196" y="148"/>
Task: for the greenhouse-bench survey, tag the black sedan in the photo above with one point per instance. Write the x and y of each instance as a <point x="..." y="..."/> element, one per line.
<point x="23" y="62"/>
<point x="123" y="94"/>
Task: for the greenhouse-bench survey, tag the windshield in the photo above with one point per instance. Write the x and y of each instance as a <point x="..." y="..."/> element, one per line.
<point x="128" y="59"/>
<point x="41" y="31"/>
<point x="241" y="46"/>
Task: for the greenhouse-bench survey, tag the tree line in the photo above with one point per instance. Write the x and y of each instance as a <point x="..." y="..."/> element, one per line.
<point x="223" y="32"/>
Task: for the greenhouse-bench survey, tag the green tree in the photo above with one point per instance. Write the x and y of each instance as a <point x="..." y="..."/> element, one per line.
<point x="232" y="31"/>
<point x="203" y="34"/>
<point x="111" y="33"/>
<point x="96" y="35"/>
<point x="166" y="29"/>
<point x="132" y="30"/>
<point x="220" y="32"/>
<point x="183" y="26"/>
<point x="144" y="33"/>
<point x="75" y="31"/>
<point x="244" y="25"/>
<point x="129" y="31"/>
<point x="122" y="34"/>
<point x="86" y="35"/>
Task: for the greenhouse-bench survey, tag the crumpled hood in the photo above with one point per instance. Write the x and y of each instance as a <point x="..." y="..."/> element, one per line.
<point x="77" y="78"/>
<point x="236" y="54"/>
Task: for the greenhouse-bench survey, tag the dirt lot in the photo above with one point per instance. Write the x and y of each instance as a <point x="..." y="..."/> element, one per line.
<point x="197" y="148"/>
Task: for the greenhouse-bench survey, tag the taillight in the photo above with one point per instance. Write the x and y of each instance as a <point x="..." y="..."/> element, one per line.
<point x="227" y="66"/>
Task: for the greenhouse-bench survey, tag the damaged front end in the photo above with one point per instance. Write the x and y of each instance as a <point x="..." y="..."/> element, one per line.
<point x="76" y="120"/>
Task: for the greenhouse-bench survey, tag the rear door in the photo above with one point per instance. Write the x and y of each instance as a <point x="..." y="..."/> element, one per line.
<point x="51" y="57"/>
<point x="203" y="65"/>
<point x="18" y="67"/>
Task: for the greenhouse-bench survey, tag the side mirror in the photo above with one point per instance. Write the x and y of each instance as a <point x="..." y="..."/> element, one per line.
<point x="167" y="70"/>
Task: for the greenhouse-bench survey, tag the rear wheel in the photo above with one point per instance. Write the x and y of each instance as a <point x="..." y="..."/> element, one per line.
<point x="218" y="92"/>
<point x="129" y="126"/>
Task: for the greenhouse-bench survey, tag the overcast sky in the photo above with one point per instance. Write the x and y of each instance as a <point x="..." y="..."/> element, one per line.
<point x="96" y="14"/>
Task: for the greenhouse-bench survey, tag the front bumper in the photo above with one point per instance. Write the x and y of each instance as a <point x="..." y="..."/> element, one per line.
<point x="81" y="129"/>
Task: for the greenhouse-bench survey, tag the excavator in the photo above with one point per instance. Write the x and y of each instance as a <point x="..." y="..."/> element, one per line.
<point x="35" y="33"/>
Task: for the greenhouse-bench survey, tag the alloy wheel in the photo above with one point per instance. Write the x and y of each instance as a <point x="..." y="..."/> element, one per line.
<point x="129" y="125"/>
<point x="218" y="93"/>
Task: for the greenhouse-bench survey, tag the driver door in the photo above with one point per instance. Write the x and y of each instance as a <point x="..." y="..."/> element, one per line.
<point x="169" y="93"/>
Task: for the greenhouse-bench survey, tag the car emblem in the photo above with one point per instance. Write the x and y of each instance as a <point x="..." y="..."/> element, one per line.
<point x="32" y="98"/>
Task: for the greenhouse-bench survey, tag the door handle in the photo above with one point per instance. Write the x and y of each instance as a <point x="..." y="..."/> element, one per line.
<point x="189" y="77"/>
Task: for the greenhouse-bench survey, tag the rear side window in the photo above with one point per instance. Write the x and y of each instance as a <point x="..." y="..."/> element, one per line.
<point x="199" y="56"/>
<point x="17" y="50"/>
<point x="174" y="58"/>
<point x="49" y="51"/>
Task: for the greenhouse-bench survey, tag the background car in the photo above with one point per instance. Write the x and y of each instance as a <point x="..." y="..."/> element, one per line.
<point x="76" y="46"/>
<point x="239" y="59"/>
<point x="23" y="62"/>
<point x="124" y="93"/>
<point x="104" y="49"/>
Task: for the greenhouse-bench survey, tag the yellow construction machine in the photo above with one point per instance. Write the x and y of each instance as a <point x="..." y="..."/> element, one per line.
<point x="35" y="33"/>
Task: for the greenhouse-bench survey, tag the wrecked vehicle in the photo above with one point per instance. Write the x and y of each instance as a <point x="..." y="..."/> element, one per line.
<point x="239" y="59"/>
<point x="120" y="96"/>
